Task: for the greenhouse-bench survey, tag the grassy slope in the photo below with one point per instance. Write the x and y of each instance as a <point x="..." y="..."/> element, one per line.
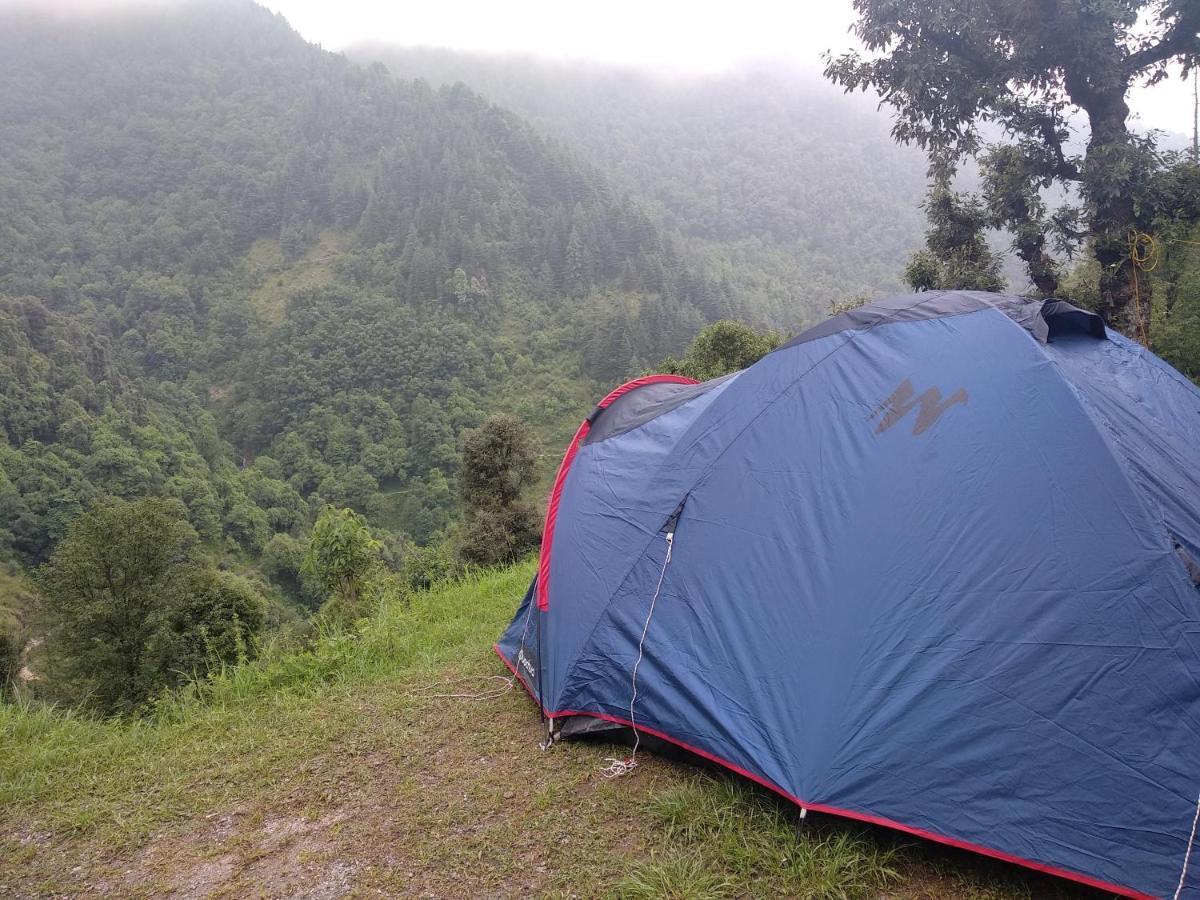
<point x="277" y="278"/>
<point x="16" y="599"/>
<point x="17" y="607"/>
<point x="396" y="763"/>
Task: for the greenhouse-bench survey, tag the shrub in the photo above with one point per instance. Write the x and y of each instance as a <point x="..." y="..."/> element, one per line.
<point x="341" y="554"/>
<point x="498" y="463"/>
<point x="213" y="620"/>
<point x="497" y="534"/>
<point x="721" y="348"/>
<point x="425" y="567"/>
<point x="10" y="654"/>
<point x="132" y="610"/>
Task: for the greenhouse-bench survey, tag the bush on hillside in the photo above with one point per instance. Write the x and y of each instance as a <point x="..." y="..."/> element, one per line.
<point x="498" y="463"/>
<point x="425" y="567"/>
<point x="211" y="621"/>
<point x="282" y="564"/>
<point x="495" y="534"/>
<point x="721" y="348"/>
<point x="342" y="553"/>
<point x="131" y="608"/>
<point x="10" y="656"/>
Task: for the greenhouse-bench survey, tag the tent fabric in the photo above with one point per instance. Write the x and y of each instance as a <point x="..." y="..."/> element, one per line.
<point x="930" y="571"/>
<point x="652" y="384"/>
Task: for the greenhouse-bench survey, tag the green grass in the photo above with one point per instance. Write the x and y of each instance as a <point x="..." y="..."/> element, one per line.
<point x="17" y="601"/>
<point x="17" y="608"/>
<point x="387" y="761"/>
<point x="123" y="777"/>
<point x="677" y="876"/>
<point x="744" y="834"/>
<point x="278" y="278"/>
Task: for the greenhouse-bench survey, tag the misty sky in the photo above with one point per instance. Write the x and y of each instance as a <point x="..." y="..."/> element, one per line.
<point x="690" y="36"/>
<point x="678" y="35"/>
<point x="684" y="36"/>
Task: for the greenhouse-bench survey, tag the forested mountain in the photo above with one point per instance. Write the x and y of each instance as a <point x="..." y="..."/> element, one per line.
<point x="794" y="187"/>
<point x="247" y="274"/>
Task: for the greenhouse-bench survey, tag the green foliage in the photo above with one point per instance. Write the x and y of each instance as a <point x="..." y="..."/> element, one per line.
<point x="956" y="254"/>
<point x="104" y="591"/>
<point x="721" y="348"/>
<point x="18" y="607"/>
<point x="10" y="654"/>
<point x="1081" y="284"/>
<point x="498" y="464"/>
<point x="78" y="427"/>
<point x="949" y="67"/>
<point x="426" y="567"/>
<point x="1175" y="327"/>
<point x="341" y="554"/>
<point x="282" y="562"/>
<point x="211" y="620"/>
<point x="1013" y="200"/>
<point x="130" y="609"/>
<point x="495" y="534"/>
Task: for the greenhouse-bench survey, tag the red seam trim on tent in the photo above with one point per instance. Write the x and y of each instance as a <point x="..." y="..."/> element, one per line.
<point x="543" y="575"/>
<point x="834" y="810"/>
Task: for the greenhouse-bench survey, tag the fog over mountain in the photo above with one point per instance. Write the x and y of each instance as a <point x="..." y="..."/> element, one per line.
<point x="768" y="163"/>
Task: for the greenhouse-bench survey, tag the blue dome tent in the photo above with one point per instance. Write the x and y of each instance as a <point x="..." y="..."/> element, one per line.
<point x="932" y="565"/>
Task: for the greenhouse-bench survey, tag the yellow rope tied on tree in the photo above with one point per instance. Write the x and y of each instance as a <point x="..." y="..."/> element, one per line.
<point x="1144" y="254"/>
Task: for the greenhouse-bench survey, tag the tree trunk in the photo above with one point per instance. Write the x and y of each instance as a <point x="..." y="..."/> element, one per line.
<point x="1107" y="179"/>
<point x="1123" y="305"/>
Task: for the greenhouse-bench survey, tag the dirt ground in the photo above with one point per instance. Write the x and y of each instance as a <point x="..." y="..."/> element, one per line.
<point x="447" y="797"/>
<point x="435" y="792"/>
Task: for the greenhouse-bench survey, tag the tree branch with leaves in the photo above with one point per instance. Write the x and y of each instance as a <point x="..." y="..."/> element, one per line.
<point x="958" y="71"/>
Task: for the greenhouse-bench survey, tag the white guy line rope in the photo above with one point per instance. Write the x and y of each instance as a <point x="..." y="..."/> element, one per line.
<point x="619" y="767"/>
<point x="1188" y="856"/>
<point x="509" y="681"/>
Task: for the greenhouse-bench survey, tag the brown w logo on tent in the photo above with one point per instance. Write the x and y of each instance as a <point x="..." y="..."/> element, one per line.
<point x="902" y="401"/>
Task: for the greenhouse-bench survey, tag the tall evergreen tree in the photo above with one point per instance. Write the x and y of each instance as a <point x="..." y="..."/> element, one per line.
<point x="498" y="464"/>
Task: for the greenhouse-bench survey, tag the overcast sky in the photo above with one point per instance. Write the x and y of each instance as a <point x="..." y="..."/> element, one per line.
<point x="686" y="36"/>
